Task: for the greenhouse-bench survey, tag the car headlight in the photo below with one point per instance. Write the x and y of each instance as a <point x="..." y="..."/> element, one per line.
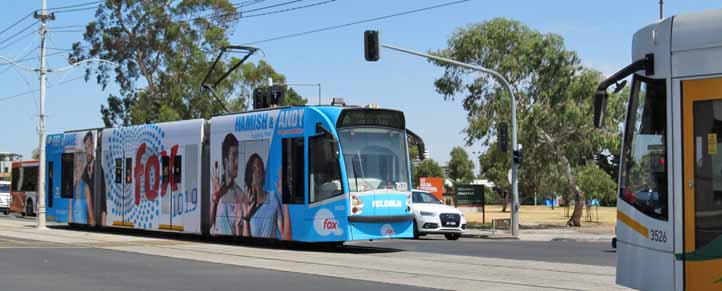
<point x="425" y="213"/>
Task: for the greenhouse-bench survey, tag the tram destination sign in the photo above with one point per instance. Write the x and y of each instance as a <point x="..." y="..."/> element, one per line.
<point x="469" y="195"/>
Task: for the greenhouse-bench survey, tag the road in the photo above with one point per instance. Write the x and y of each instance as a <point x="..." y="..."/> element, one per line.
<point x="586" y="253"/>
<point x="80" y="259"/>
<point x="33" y="265"/>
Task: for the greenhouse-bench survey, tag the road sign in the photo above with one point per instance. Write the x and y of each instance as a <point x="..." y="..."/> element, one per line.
<point x="470" y="195"/>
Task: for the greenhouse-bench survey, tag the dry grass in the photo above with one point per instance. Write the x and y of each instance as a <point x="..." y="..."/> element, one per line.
<point x="543" y="216"/>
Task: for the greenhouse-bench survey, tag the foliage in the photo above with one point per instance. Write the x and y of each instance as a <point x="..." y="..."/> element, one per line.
<point x="427" y="168"/>
<point x="461" y="168"/>
<point x="595" y="182"/>
<point x="164" y="50"/>
<point x="554" y="108"/>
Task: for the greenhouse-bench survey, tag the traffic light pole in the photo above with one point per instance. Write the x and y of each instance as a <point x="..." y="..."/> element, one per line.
<point x="515" y="147"/>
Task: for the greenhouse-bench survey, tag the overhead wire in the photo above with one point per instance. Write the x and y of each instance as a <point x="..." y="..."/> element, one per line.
<point x="19" y="32"/>
<point x="16" y="23"/>
<point x="357" y="22"/>
<point x="36" y="90"/>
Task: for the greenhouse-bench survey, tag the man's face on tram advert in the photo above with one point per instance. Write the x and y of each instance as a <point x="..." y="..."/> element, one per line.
<point x="89" y="147"/>
<point x="230" y="160"/>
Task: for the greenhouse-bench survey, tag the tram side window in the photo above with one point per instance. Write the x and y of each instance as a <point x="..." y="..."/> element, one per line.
<point x="177" y="166"/>
<point x="644" y="157"/>
<point x="324" y="170"/>
<point x="67" y="173"/>
<point x="118" y="171"/>
<point x="293" y="166"/>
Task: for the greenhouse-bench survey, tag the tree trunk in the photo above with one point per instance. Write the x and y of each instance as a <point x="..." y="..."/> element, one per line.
<point x="506" y="201"/>
<point x="577" y="194"/>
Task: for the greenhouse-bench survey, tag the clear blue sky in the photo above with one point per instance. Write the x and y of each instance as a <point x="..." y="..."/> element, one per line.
<point x="600" y="31"/>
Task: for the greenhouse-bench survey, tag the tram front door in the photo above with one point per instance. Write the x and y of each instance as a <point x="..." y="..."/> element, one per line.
<point x="702" y="203"/>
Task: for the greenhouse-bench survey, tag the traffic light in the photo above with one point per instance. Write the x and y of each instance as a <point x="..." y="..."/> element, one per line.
<point x="371" y="45"/>
<point x="503" y="137"/>
<point x="518" y="157"/>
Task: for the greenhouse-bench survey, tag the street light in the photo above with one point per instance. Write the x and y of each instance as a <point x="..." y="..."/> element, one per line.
<point x="372" y="53"/>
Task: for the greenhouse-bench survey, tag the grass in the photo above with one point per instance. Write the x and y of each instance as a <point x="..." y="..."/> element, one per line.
<point x="543" y="216"/>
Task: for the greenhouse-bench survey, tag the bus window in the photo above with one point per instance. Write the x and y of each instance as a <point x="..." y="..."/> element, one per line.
<point x="67" y="175"/>
<point x="325" y="173"/>
<point x="15" y="179"/>
<point x="375" y="158"/>
<point x="644" y="171"/>
<point x="30" y="179"/>
<point x="293" y="164"/>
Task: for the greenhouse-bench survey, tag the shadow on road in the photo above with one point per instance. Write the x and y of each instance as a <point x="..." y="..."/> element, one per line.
<point x="228" y="240"/>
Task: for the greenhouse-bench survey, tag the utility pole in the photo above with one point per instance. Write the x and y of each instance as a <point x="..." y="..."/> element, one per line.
<point x="44" y="17"/>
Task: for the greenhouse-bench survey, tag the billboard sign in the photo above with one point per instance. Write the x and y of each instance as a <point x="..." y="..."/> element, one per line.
<point x="434" y="185"/>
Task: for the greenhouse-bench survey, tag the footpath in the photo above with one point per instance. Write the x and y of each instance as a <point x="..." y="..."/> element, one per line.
<point x="541" y="234"/>
<point x="438" y="271"/>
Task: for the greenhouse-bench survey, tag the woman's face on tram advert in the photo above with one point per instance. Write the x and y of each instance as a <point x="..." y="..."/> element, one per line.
<point x="255" y="174"/>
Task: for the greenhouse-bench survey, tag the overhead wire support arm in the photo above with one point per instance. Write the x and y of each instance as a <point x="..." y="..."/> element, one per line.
<point x="248" y="50"/>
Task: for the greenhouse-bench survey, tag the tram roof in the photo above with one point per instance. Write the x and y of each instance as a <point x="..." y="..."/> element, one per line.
<point x="697" y="30"/>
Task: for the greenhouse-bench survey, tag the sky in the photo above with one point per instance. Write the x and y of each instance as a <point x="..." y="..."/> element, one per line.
<point x="599" y="31"/>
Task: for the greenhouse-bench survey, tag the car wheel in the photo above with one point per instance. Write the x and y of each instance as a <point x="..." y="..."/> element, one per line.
<point x="29" y="208"/>
<point x="416" y="230"/>
<point x="452" y="236"/>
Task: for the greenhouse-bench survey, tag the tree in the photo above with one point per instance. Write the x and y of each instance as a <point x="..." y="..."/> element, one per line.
<point x="36" y="154"/>
<point x="595" y="182"/>
<point x="164" y="50"/>
<point x="427" y="168"/>
<point x="553" y="92"/>
<point x="461" y="168"/>
<point x="494" y="166"/>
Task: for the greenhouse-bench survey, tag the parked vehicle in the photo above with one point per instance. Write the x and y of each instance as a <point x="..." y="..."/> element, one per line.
<point x="5" y="196"/>
<point x="432" y="216"/>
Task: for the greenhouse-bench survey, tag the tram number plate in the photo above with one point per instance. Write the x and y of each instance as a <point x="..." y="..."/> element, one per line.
<point x="658" y="235"/>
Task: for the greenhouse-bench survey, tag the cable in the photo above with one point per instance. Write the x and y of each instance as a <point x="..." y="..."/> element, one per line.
<point x="16" y="23"/>
<point x="36" y="90"/>
<point x="357" y="22"/>
<point x="288" y="9"/>
<point x="75" y="5"/>
<point x="68" y="30"/>
<point x="19" y="32"/>
<point x="31" y="33"/>
<point x="69" y="26"/>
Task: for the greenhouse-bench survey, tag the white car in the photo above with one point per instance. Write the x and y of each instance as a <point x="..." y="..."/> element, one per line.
<point x="5" y="196"/>
<point x="432" y="216"/>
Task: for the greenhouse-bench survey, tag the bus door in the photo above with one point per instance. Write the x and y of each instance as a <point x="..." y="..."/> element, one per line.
<point x="702" y="203"/>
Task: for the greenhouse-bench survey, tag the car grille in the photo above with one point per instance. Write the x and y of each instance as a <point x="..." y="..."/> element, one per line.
<point x="450" y="219"/>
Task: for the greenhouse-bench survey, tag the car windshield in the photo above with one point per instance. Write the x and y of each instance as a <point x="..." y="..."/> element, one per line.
<point x="375" y="158"/>
<point x="5" y="188"/>
<point x="422" y="197"/>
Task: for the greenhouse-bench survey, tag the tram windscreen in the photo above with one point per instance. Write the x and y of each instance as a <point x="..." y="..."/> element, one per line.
<point x="643" y="181"/>
<point x="375" y="158"/>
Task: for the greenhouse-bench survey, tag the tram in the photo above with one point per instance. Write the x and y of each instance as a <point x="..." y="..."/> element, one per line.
<point x="669" y="211"/>
<point x="301" y="173"/>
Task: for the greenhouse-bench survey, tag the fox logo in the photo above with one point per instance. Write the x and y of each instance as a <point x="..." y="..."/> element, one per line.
<point x="326" y="224"/>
